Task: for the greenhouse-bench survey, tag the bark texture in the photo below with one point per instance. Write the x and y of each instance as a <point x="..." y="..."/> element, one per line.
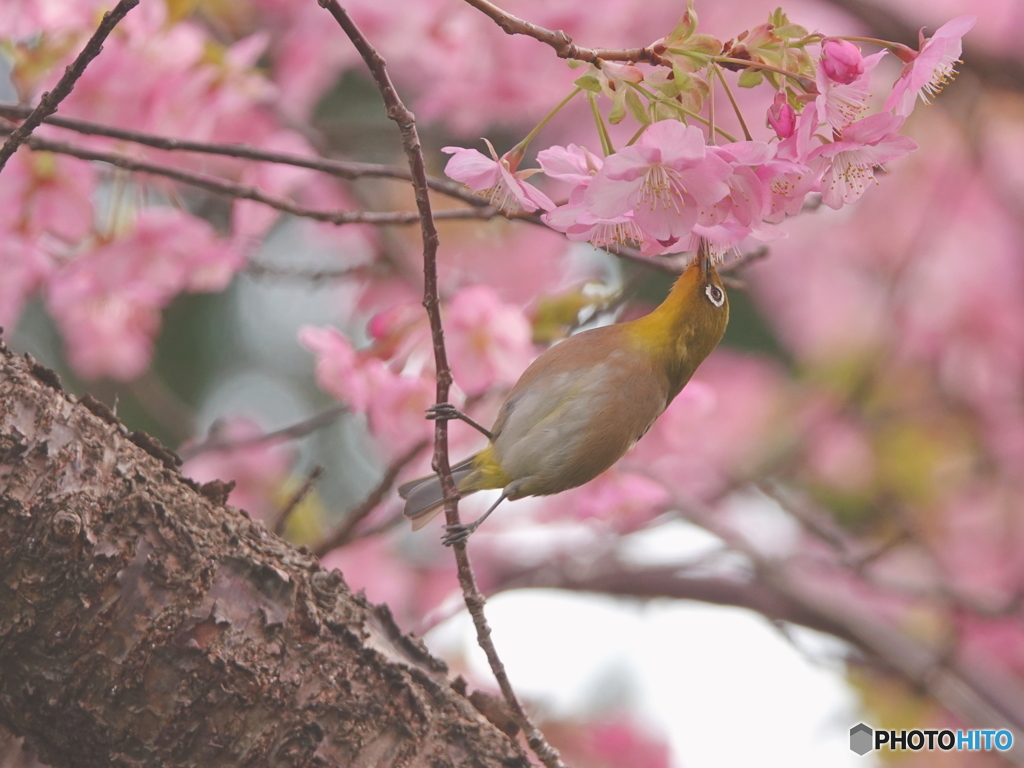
<point x="144" y="623"/>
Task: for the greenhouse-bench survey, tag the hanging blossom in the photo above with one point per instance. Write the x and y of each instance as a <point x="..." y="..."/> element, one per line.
<point x="848" y="165"/>
<point x="674" y="183"/>
<point x="841" y="101"/>
<point x="668" y="180"/>
<point x="496" y="179"/>
<point x="929" y="69"/>
<point x="577" y="165"/>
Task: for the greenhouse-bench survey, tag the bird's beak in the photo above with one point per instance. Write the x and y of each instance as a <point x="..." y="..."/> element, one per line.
<point x="705" y="258"/>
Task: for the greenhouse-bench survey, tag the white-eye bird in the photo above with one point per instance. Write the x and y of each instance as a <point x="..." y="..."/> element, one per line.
<point x="584" y="402"/>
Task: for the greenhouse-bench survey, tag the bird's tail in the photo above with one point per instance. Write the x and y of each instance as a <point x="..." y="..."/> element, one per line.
<point x="424" y="498"/>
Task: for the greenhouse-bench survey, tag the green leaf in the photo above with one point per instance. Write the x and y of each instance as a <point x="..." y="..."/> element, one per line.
<point x="636" y="107"/>
<point x="589" y="83"/>
<point x="618" y="110"/>
<point x="791" y="31"/>
<point x="751" y="78"/>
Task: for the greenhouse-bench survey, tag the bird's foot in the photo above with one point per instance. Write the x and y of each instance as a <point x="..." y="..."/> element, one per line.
<point x="457" y="534"/>
<point x="448" y="412"/>
<point x="443" y="412"/>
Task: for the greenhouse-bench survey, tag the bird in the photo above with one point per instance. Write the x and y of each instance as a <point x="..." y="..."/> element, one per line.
<point x="583" y="402"/>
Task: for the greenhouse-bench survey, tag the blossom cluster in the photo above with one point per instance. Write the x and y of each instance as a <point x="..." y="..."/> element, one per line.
<point x="105" y="253"/>
<point x="675" y="184"/>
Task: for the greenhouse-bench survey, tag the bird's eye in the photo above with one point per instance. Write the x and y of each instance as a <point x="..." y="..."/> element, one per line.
<point x="716" y="294"/>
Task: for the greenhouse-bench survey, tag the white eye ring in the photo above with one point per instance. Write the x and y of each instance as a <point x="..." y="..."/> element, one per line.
<point x="715" y="294"/>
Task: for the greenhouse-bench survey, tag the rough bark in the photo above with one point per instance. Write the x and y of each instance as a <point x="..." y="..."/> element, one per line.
<point x="144" y="623"/>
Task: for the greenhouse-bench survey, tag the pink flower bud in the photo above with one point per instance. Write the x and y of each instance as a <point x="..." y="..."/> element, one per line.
<point x="781" y="116"/>
<point x="841" y="61"/>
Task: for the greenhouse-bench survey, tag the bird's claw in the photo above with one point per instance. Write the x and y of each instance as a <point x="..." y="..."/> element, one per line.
<point x="444" y="411"/>
<point x="456" y="534"/>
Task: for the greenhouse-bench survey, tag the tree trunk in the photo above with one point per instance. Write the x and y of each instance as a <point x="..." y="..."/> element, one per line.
<point x="144" y="623"/>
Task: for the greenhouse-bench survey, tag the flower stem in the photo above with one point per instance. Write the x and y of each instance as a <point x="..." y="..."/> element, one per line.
<point x="519" y="149"/>
<point x="732" y="100"/>
<point x="683" y="110"/>
<point x="804" y="82"/>
<point x="602" y="130"/>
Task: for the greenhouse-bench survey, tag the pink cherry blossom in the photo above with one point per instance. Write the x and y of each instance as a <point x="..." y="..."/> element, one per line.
<point x="782" y="116"/>
<point x="339" y="369"/>
<point x="841" y="61"/>
<point x="840" y="103"/>
<point x="615" y="740"/>
<point x="107" y="300"/>
<point x="579" y="223"/>
<point x="394" y="404"/>
<point x="788" y="183"/>
<point x="396" y="411"/>
<point x="798" y="146"/>
<point x="496" y="179"/>
<point x="573" y="164"/>
<point x="43" y="192"/>
<point x="24" y="267"/>
<point x="668" y="179"/>
<point x="488" y="341"/>
<point x="577" y="165"/>
<point x="848" y="165"/>
<point x="931" y="67"/>
<point x="746" y="199"/>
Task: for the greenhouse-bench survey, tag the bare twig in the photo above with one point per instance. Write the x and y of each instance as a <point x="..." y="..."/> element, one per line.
<point x="406" y="123"/>
<point x="341" y="169"/>
<point x="558" y="40"/>
<point x="218" y="442"/>
<point x="343" y="534"/>
<point x="259" y="269"/>
<point x="286" y="511"/>
<point x="51" y="99"/>
<point x="608" y="574"/>
<point x="243" y="192"/>
<point x="950" y="680"/>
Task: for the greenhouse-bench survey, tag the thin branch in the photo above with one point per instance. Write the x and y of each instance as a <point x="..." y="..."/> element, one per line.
<point x="952" y="681"/>
<point x="343" y="534"/>
<point x="218" y="442"/>
<point x="341" y="169"/>
<point x="293" y="503"/>
<point x="406" y="123"/>
<point x="242" y="192"/>
<point x="258" y="269"/>
<point x="610" y="575"/>
<point x="560" y="41"/>
<point x="51" y="99"/>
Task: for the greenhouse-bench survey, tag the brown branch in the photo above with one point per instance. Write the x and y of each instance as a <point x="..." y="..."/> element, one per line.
<point x="258" y="269"/>
<point x="240" y="191"/>
<point x="343" y="534"/>
<point x="286" y="512"/>
<point x="406" y="123"/>
<point x="609" y="575"/>
<point x="952" y="681"/>
<point x="341" y="169"/>
<point x="218" y="442"/>
<point x="560" y="41"/>
<point x="51" y="99"/>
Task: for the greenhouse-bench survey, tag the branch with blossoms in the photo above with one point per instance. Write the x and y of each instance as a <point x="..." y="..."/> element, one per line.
<point x="674" y="184"/>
